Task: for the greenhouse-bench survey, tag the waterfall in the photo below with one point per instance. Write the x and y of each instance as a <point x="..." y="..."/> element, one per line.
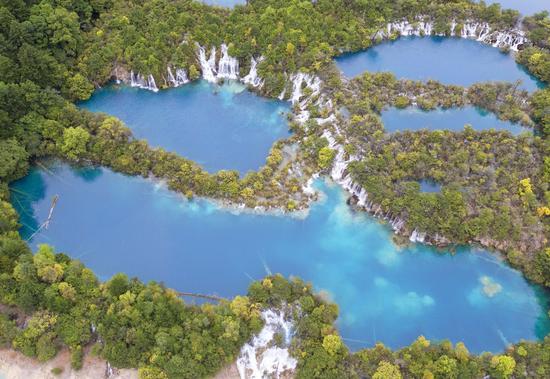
<point x="228" y="66"/>
<point x="297" y="80"/>
<point x="137" y="80"/>
<point x="512" y="39"/>
<point x="311" y="82"/>
<point x="252" y="78"/>
<point x="151" y="83"/>
<point x="308" y="188"/>
<point x="259" y="358"/>
<point x="179" y="79"/>
<point x="208" y="66"/>
<point x="417" y="237"/>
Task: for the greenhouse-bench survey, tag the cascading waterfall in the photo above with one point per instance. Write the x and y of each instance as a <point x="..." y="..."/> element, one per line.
<point x="260" y="358"/>
<point x="297" y="80"/>
<point x="252" y="78"/>
<point x="137" y="80"/>
<point x="340" y="164"/>
<point x="228" y="66"/>
<point x="417" y="236"/>
<point x="313" y="83"/>
<point x="179" y="79"/>
<point x="480" y="31"/>
<point x="208" y="66"/>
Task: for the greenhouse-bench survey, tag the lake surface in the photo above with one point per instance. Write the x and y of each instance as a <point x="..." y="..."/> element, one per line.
<point x="219" y="127"/>
<point x="448" y="60"/>
<point x="115" y="223"/>
<point x="525" y="7"/>
<point x="413" y="118"/>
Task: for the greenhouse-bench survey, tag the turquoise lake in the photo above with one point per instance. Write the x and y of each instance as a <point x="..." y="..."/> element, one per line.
<point x="218" y="126"/>
<point x="448" y="60"/>
<point x="115" y="223"/>
<point x="454" y="119"/>
<point x="525" y="7"/>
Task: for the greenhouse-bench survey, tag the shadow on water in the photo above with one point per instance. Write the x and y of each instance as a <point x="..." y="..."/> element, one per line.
<point x="24" y="193"/>
<point x="89" y="174"/>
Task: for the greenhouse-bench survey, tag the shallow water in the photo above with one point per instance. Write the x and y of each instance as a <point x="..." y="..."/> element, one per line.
<point x="525" y="7"/>
<point x="427" y="185"/>
<point x="219" y="127"/>
<point x="448" y="60"/>
<point x="115" y="223"/>
<point x="413" y="118"/>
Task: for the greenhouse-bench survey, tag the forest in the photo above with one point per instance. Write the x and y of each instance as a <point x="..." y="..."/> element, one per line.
<point x="54" y="53"/>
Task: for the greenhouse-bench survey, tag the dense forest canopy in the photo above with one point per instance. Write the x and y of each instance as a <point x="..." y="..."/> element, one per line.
<point x="53" y="53"/>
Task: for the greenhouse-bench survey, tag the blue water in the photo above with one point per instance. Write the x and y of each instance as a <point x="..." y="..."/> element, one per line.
<point x="115" y="223"/>
<point x="448" y="60"/>
<point x="219" y="127"/>
<point x="413" y="118"/>
<point x="429" y="186"/>
<point x="525" y="7"/>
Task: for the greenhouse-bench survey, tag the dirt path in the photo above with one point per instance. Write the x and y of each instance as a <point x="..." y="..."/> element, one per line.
<point x="14" y="365"/>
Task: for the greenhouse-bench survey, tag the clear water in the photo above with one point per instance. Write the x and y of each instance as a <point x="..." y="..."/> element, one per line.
<point x="449" y="60"/>
<point x="429" y="186"/>
<point x="385" y="293"/>
<point x="413" y="118"/>
<point x="219" y="127"/>
<point x="525" y="7"/>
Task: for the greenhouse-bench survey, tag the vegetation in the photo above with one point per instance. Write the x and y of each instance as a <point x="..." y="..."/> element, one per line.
<point x="495" y="187"/>
<point x="133" y="324"/>
<point x="382" y="90"/>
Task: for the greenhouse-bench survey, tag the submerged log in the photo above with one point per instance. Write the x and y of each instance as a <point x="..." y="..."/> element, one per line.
<point x="201" y="296"/>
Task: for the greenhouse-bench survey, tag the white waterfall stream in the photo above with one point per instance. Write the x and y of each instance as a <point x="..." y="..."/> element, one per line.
<point x="480" y="31"/>
<point x="260" y="358"/>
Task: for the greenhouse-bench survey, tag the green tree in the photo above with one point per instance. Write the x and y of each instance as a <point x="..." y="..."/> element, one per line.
<point x="333" y="344"/>
<point x="74" y="142"/>
<point x="386" y="370"/>
<point x="78" y="87"/>
<point x="502" y="366"/>
<point x="325" y="157"/>
<point x="14" y="160"/>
